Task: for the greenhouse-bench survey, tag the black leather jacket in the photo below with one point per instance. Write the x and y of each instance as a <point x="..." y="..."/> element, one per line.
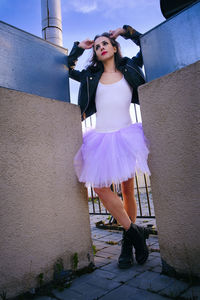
<point x="129" y="67"/>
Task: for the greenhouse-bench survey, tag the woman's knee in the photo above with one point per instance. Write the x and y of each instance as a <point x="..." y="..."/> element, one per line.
<point x="100" y="191"/>
<point x="128" y="187"/>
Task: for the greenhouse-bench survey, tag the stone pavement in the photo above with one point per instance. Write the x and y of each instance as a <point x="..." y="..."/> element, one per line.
<point x="108" y="282"/>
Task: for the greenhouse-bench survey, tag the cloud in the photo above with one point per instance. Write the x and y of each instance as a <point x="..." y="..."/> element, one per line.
<point x="105" y="6"/>
<point x="82" y="6"/>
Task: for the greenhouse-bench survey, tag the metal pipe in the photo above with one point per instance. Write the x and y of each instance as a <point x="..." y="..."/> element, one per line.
<point x="51" y="21"/>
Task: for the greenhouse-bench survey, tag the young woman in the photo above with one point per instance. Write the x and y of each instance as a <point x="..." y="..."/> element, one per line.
<point x="116" y="148"/>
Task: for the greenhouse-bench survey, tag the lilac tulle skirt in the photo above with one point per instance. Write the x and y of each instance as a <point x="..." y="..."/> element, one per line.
<point x="111" y="157"/>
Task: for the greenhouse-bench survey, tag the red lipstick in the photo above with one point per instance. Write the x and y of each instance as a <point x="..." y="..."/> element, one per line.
<point x="104" y="52"/>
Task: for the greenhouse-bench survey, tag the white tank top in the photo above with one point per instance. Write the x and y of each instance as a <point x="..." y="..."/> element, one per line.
<point x="113" y="104"/>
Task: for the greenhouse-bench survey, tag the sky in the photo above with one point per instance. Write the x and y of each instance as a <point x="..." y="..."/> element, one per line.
<point x="83" y="19"/>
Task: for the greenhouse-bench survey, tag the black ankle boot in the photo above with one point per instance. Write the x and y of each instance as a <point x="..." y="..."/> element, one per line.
<point x="138" y="236"/>
<point x="126" y="257"/>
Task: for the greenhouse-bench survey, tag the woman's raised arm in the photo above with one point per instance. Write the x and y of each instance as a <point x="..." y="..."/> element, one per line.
<point x="128" y="32"/>
<point x="86" y="44"/>
<point x="77" y="50"/>
<point x="115" y="33"/>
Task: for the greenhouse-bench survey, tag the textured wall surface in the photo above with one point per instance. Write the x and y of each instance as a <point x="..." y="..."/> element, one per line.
<point x="170" y="114"/>
<point x="43" y="208"/>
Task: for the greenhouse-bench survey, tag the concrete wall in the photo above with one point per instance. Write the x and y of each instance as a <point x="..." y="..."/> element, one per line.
<point x="170" y="114"/>
<point x="43" y="208"/>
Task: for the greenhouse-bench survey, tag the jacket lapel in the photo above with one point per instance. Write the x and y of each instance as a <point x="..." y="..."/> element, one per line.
<point x="93" y="80"/>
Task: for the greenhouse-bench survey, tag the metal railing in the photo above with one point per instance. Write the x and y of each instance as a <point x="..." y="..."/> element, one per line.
<point x="142" y="194"/>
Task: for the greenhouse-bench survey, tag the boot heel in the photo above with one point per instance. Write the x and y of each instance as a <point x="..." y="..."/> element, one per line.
<point x="138" y="235"/>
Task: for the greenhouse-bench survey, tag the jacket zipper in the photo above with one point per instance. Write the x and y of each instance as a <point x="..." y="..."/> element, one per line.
<point x="88" y="96"/>
<point x="135" y="70"/>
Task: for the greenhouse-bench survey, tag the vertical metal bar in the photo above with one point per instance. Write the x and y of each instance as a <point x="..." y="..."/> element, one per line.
<point x="147" y="193"/>
<point x="113" y="188"/>
<point x="138" y="193"/>
<point x="120" y="191"/>
<point x="92" y="198"/>
<point x="136" y="117"/>
<point x="99" y="205"/>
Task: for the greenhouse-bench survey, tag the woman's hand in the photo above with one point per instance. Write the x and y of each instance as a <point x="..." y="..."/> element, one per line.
<point x="115" y="33"/>
<point x="86" y="44"/>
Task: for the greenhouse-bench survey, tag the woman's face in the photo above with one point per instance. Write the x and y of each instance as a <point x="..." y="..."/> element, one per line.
<point x="103" y="48"/>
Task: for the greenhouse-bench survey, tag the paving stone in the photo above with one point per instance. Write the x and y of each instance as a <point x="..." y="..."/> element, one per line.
<point x="125" y="275"/>
<point x="155" y="253"/>
<point x="162" y="282"/>
<point x="100" y="245"/>
<point x="153" y="262"/>
<point x="104" y="254"/>
<point x="154" y="247"/>
<point x="175" y="289"/>
<point x="88" y="292"/>
<point x="103" y="274"/>
<point x="97" y="241"/>
<point x="110" y="237"/>
<point x="152" y="242"/>
<point x="80" y="280"/>
<point x="112" y="267"/>
<point x="144" y="221"/>
<point x="141" y="268"/>
<point x="192" y="293"/>
<point x="115" y="231"/>
<point x="94" y="275"/>
<point x="87" y="278"/>
<point x="151" y="281"/>
<point x="102" y="239"/>
<point x="157" y="269"/>
<point x="101" y="261"/>
<point x="114" y="249"/>
<point x="121" y="274"/>
<point x="67" y="294"/>
<point x="99" y="234"/>
<point x="93" y="226"/>
<point x="114" y="257"/>
<point x="107" y="284"/>
<point x="153" y="239"/>
<point x="125" y="292"/>
<point x="45" y="298"/>
<point x="101" y="279"/>
<point x="143" y="280"/>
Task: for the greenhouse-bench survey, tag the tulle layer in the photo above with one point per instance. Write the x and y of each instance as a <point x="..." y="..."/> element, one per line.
<point x="111" y="157"/>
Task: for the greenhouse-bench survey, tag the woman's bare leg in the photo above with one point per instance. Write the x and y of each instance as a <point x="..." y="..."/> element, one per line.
<point x="114" y="205"/>
<point x="129" y="201"/>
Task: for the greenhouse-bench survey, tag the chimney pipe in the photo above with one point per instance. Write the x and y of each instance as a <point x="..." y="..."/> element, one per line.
<point x="51" y="21"/>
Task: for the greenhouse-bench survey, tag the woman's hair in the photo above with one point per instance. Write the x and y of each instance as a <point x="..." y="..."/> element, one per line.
<point x="95" y="64"/>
